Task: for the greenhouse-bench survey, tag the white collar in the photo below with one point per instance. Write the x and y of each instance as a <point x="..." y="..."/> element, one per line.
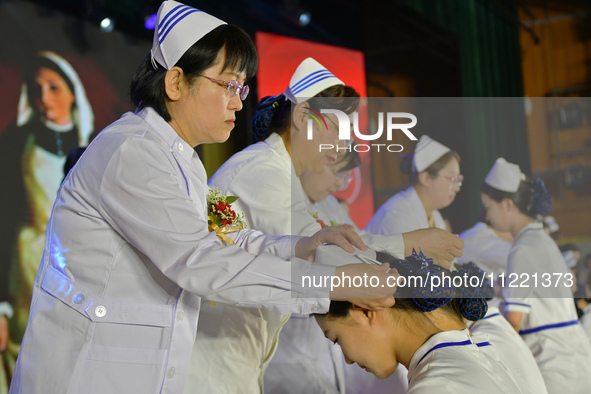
<point x="165" y="130"/>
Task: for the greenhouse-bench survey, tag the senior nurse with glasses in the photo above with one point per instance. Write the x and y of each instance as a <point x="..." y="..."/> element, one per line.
<point x="128" y="252"/>
<point x="434" y="174"/>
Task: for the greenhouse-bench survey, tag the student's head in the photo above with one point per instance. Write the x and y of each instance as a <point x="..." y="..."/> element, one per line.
<point x="312" y="88"/>
<point x="319" y="185"/>
<point x="195" y="74"/>
<point x="379" y="340"/>
<point x="434" y="170"/>
<point x="507" y="193"/>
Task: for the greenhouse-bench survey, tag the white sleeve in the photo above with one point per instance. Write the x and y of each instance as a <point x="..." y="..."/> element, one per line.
<point x="270" y="198"/>
<point x="392" y="244"/>
<point x="517" y="296"/>
<point x="148" y="207"/>
<point x="255" y="242"/>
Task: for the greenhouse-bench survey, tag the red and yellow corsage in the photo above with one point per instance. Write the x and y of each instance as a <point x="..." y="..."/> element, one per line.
<point x="221" y="218"/>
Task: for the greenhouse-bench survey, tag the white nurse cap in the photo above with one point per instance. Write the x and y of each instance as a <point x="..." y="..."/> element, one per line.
<point x="427" y="152"/>
<point x="505" y="176"/>
<point x="179" y="27"/>
<point x="309" y="79"/>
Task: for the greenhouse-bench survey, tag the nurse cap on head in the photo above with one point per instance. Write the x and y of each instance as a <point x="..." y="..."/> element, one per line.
<point x="427" y="152"/>
<point x="309" y="79"/>
<point x="179" y="27"/>
<point x="505" y="176"/>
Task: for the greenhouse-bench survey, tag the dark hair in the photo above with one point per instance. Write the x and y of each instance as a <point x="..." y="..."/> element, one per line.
<point x="273" y="112"/>
<point x="531" y="198"/>
<point x="407" y="167"/>
<point x="147" y="86"/>
<point x="463" y="302"/>
<point x="72" y="158"/>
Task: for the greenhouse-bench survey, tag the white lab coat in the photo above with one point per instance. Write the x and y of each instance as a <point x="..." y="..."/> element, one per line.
<point x="402" y="213"/>
<point x="272" y="197"/>
<point x="449" y="362"/>
<point x="485" y="249"/>
<point x="127" y="256"/>
<point x="563" y="353"/>
<point x="586" y="321"/>
<point x="510" y="348"/>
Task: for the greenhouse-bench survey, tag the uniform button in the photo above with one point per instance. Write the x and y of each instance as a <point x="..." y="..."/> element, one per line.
<point x="79" y="298"/>
<point x="315" y="308"/>
<point x="100" y="311"/>
<point x="180" y="316"/>
<point x="170" y="373"/>
<point x="181" y="147"/>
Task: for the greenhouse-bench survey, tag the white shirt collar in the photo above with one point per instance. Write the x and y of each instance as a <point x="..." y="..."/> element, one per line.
<point x="437" y="341"/>
<point x="530" y="226"/>
<point x="165" y="130"/>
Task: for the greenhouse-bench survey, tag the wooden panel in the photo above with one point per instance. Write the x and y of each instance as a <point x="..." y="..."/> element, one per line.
<point x="556" y="67"/>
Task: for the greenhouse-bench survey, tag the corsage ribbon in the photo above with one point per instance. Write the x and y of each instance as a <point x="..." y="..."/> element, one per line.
<point x="222" y="231"/>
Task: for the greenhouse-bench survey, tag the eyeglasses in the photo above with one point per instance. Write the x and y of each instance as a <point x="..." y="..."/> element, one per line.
<point x="455" y="180"/>
<point x="233" y="87"/>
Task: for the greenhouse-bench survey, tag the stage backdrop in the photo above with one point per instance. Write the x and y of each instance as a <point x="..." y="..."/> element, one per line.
<point x="279" y="56"/>
<point x="62" y="81"/>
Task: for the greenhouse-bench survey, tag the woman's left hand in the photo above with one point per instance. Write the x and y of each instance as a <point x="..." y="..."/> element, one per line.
<point x="343" y="236"/>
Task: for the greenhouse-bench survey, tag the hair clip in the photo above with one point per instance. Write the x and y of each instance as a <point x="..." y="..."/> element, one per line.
<point x="542" y="202"/>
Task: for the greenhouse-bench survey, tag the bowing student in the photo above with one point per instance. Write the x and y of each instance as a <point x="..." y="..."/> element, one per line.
<point x="128" y="253"/>
<point x="539" y="306"/>
<point x="329" y="211"/>
<point x="434" y="174"/>
<point x="424" y="331"/>
<point x="265" y="177"/>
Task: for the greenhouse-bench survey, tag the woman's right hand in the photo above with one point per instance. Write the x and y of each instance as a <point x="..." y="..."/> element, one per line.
<point x="440" y="245"/>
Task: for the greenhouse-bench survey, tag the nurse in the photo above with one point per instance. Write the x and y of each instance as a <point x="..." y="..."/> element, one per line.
<point x="319" y="188"/>
<point x="128" y="253"/>
<point x="434" y="174"/>
<point x="266" y="178"/>
<point x="410" y="333"/>
<point x="541" y="310"/>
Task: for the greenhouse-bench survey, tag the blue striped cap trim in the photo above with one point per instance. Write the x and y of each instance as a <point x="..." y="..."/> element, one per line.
<point x="308" y="77"/>
<point x="310" y="80"/>
<point x="547" y="327"/>
<point x="188" y="12"/>
<point x="170" y="15"/>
